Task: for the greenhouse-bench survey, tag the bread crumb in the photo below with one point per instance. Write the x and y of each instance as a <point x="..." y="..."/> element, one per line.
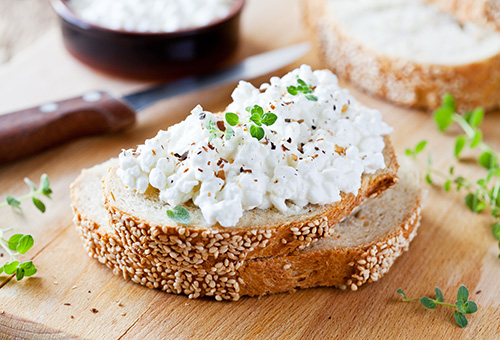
<point x="123" y="314"/>
<point x="94" y="310"/>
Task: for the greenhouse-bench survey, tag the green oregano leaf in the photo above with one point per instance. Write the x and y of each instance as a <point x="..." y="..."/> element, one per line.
<point x="179" y="215"/>
<point x="14" y="241"/>
<point x="439" y="294"/>
<point x="476" y="117"/>
<point x="269" y="118"/>
<point x="420" y="146"/>
<point x="19" y="273"/>
<point x="495" y="230"/>
<point x="428" y="302"/>
<point x="257" y="132"/>
<point x="255" y="118"/>
<point x="462" y="294"/>
<point x="488" y="160"/>
<point x="10" y="267"/>
<point x="470" y="307"/>
<point x="476" y="139"/>
<point x="461" y="319"/>
<point x="232" y="118"/>
<point x="13" y="202"/>
<point x="400" y="291"/>
<point x="25" y="244"/>
<point x="459" y="145"/>
<point x="292" y="90"/>
<point x="311" y="97"/>
<point x="39" y="204"/>
<point x="29" y="268"/>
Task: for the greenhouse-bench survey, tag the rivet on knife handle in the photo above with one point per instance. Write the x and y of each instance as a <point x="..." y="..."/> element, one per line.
<point x="25" y="132"/>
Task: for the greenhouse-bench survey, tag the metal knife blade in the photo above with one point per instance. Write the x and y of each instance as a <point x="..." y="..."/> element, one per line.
<point x="25" y="132"/>
<point x="250" y="67"/>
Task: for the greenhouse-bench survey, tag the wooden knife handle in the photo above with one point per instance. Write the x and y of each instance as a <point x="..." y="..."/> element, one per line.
<point x="25" y="132"/>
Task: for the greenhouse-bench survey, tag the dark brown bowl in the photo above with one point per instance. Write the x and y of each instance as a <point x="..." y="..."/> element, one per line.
<point x="150" y="55"/>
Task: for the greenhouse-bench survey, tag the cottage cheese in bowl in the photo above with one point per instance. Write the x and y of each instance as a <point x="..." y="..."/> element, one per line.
<point x="298" y="140"/>
<point x="151" y="15"/>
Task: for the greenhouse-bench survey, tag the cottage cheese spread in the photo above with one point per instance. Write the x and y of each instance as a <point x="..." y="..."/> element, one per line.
<point x="151" y="15"/>
<point x="314" y="151"/>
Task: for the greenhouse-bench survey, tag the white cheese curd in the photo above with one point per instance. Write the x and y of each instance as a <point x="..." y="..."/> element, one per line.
<point x="315" y="150"/>
<point x="151" y="15"/>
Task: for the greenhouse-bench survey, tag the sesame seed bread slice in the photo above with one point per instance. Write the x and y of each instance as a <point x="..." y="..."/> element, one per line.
<point x="407" y="51"/>
<point x="481" y="12"/>
<point x="144" y="227"/>
<point x="363" y="249"/>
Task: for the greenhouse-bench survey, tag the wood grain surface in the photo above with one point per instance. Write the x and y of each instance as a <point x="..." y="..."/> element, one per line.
<point x="73" y="296"/>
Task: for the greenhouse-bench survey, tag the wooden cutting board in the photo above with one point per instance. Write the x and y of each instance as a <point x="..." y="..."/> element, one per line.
<point x="453" y="246"/>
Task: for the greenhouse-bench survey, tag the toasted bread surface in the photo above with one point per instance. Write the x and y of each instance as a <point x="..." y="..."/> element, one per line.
<point x="363" y="247"/>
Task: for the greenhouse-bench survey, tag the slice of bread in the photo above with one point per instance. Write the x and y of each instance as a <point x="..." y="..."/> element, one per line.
<point x="363" y="249"/>
<point x="481" y="12"/>
<point x="144" y="227"/>
<point x="407" y="51"/>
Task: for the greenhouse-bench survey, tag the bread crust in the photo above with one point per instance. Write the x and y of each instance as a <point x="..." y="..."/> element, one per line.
<point x="399" y="80"/>
<point x="343" y="267"/>
<point x="192" y="247"/>
<point x="481" y="12"/>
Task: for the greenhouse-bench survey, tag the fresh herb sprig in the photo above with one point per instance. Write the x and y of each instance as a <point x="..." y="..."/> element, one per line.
<point x="179" y="215"/>
<point x="257" y="119"/>
<point x="19" y="244"/>
<point x="462" y="306"/>
<point x="483" y="193"/>
<point x="303" y="88"/>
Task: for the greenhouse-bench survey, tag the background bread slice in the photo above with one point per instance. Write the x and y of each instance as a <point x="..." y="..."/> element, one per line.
<point x="364" y="248"/>
<point x="401" y="79"/>
<point x="481" y="12"/>
<point x="143" y="226"/>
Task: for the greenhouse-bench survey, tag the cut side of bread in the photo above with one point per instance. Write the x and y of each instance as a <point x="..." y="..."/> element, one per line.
<point x="144" y="227"/>
<point x="407" y="51"/>
<point x="363" y="249"/>
<point x="482" y="12"/>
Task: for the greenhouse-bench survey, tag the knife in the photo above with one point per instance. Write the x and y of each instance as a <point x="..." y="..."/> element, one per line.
<point x="22" y="133"/>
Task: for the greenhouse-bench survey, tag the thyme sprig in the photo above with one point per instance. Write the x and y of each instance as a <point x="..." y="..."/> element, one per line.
<point x="462" y="306"/>
<point x="19" y="244"/>
<point x="304" y="88"/>
<point x="256" y="120"/>
<point x="483" y="193"/>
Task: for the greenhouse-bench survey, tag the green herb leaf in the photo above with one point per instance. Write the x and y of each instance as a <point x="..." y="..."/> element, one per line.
<point x="470" y="307"/>
<point x="447" y="185"/>
<point x="269" y="118"/>
<point x="257" y="132"/>
<point x="488" y="160"/>
<point x="14" y="241"/>
<point x="1" y="269"/>
<point x="459" y="145"/>
<point x="476" y="139"/>
<point x="452" y="169"/>
<point x="19" y="273"/>
<point x="301" y="82"/>
<point x="311" y="97"/>
<point x="256" y="119"/>
<point x="461" y="319"/>
<point x="400" y="291"/>
<point x="449" y="102"/>
<point x="461" y="306"/>
<point x="408" y="152"/>
<point x="443" y="118"/>
<point x="257" y="110"/>
<point x="229" y="133"/>
<point x="179" y="215"/>
<point x="10" y="267"/>
<point x="476" y="117"/>
<point x="25" y="244"/>
<point x="495" y="230"/>
<point x="29" y="268"/>
<point x="420" y="146"/>
<point x="292" y="90"/>
<point x="232" y="118"/>
<point x="13" y="202"/>
<point x="439" y="294"/>
<point x="30" y="184"/>
<point x="462" y="294"/>
<point x="39" y="204"/>
<point x="428" y="302"/>
<point x="428" y="178"/>
<point x="474" y="203"/>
